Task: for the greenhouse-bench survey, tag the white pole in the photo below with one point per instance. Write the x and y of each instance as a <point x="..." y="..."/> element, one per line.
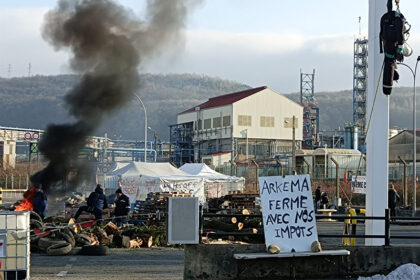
<point x="377" y="134"/>
<point x="414" y="146"/>
<point x="325" y="161"/>
<point x="246" y="130"/>
<point x="145" y="127"/>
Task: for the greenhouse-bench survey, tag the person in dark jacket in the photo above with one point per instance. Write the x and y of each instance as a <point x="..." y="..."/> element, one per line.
<point x="324" y="200"/>
<point x="39" y="201"/>
<point x="122" y="207"/>
<point x="393" y="198"/>
<point x="317" y="196"/>
<point x="96" y="203"/>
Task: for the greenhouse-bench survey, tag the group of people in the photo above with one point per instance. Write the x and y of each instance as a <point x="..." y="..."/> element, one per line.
<point x="97" y="202"/>
<point x="321" y="199"/>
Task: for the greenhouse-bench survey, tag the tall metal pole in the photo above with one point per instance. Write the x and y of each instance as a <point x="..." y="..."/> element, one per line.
<point x="145" y="127"/>
<point x="377" y="134"/>
<point x="247" y="153"/>
<point x="414" y="145"/>
<point x="414" y="190"/>
<point x="325" y="161"/>
<point x="294" y="145"/>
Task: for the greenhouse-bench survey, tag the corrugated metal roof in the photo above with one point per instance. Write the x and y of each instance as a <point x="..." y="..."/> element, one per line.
<point x="226" y="99"/>
<point x="322" y="151"/>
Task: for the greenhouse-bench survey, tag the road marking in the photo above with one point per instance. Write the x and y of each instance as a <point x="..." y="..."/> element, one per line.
<point x="62" y="274"/>
<point x="73" y="259"/>
<point x="68" y="266"/>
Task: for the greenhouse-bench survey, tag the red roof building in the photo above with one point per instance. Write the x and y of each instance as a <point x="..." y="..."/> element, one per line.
<point x="226" y="99"/>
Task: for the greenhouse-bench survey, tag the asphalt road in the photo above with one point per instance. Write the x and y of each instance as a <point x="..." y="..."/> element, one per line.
<point x="120" y="264"/>
<point x="159" y="263"/>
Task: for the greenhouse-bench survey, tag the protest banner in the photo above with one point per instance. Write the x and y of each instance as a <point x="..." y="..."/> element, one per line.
<point x="358" y="184"/>
<point x="288" y="212"/>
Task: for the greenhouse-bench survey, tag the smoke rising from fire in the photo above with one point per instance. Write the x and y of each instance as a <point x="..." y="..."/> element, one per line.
<point x="108" y="44"/>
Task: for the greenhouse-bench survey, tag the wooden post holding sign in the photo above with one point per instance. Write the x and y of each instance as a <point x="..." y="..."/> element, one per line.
<point x="288" y="212"/>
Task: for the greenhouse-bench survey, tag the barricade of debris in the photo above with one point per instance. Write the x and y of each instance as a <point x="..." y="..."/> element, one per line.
<point x="89" y="238"/>
<point x="155" y="206"/>
<point x="144" y="227"/>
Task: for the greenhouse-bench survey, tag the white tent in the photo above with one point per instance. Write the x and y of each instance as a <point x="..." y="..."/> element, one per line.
<point x="215" y="184"/>
<point x="137" y="179"/>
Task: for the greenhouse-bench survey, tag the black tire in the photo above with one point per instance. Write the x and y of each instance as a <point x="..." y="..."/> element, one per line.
<point x="82" y="236"/>
<point x="36" y="224"/>
<point x="94" y="250"/>
<point x="82" y="239"/>
<point x="67" y="237"/>
<point x="35" y="216"/>
<point x="44" y="243"/>
<point x="59" y="249"/>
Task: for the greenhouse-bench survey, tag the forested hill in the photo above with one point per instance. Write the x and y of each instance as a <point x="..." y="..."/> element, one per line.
<point x="36" y="101"/>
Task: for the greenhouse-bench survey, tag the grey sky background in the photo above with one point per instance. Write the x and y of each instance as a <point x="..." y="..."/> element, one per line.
<point x="263" y="42"/>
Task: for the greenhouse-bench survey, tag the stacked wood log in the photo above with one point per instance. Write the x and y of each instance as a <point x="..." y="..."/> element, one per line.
<point x="239" y="224"/>
<point x="233" y="202"/>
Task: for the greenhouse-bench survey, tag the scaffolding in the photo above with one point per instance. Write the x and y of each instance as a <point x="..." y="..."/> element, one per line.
<point x="181" y="143"/>
<point x="360" y="85"/>
<point x="310" y="110"/>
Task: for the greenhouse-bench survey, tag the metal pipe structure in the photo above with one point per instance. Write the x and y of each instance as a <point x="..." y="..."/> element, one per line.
<point x="145" y="126"/>
<point x="413" y="202"/>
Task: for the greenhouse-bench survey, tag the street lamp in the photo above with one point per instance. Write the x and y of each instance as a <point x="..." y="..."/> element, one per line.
<point x="145" y="126"/>
<point x="155" y="134"/>
<point x="413" y="205"/>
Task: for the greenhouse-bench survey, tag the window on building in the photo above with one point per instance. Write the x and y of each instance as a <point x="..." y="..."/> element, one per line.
<point x="226" y="121"/>
<point x="244" y="120"/>
<point x="217" y="122"/>
<point x="207" y="123"/>
<point x="200" y="124"/>
<point x="266" y="121"/>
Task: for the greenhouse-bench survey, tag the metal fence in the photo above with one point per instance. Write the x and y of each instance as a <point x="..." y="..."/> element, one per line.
<point x="14" y="181"/>
<point x="395" y="171"/>
<point x="386" y="218"/>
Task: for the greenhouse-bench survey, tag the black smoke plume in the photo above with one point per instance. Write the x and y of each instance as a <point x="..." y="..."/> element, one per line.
<point x="108" y="44"/>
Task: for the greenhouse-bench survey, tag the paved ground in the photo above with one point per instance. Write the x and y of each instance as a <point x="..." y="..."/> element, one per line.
<point x="120" y="264"/>
<point x="157" y="263"/>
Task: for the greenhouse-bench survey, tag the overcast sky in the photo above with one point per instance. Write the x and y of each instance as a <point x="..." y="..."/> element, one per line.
<point x="256" y="42"/>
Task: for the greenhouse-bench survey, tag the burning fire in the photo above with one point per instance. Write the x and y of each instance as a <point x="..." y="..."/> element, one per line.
<point x="27" y="202"/>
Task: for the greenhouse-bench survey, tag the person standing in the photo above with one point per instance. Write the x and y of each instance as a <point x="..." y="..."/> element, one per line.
<point x="393" y="199"/>
<point x="317" y="197"/>
<point x="122" y="207"/>
<point x="324" y="200"/>
<point x="96" y="203"/>
<point x="39" y="201"/>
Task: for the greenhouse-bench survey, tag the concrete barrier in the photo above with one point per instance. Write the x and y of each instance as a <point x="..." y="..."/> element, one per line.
<point x="207" y="261"/>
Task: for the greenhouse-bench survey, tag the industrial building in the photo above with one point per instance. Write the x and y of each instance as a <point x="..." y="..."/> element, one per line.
<point x="257" y="123"/>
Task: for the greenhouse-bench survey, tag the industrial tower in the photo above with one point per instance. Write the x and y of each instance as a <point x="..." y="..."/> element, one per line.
<point x="360" y="84"/>
<point x="310" y="110"/>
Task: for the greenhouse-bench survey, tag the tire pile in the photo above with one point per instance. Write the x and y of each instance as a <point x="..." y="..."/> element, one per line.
<point x="93" y="241"/>
<point x="64" y="241"/>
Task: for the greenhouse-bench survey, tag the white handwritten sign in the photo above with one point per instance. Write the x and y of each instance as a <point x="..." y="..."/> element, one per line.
<point x="288" y="212"/>
<point x="358" y="184"/>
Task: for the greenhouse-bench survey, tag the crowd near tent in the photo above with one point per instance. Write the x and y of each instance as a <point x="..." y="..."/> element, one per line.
<point x="137" y="179"/>
<point x="215" y="184"/>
